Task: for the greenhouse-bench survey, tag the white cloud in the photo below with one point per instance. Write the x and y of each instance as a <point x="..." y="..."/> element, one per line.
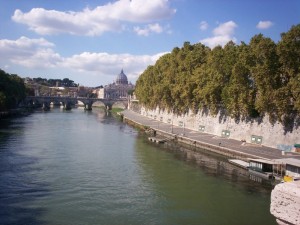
<point x="104" y="63"/>
<point x="221" y="35"/>
<point x="150" y="28"/>
<point x="203" y="25"/>
<point x="264" y="25"/>
<point x="94" y="22"/>
<point x="217" y="40"/>
<point x="24" y="43"/>
<point x="42" y="58"/>
<point x="225" y="29"/>
<point x="33" y="53"/>
<point x="39" y="53"/>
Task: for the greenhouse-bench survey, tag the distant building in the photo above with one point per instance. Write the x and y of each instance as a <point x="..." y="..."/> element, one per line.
<point x="118" y="89"/>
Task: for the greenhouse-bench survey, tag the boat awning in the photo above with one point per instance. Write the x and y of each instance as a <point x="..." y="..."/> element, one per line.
<point x="265" y="161"/>
<point x="289" y="161"/>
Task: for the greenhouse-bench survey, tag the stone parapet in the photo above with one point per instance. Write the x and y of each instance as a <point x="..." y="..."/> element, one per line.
<point x="285" y="203"/>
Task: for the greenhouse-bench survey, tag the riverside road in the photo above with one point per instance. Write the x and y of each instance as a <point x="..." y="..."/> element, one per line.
<point x="234" y="146"/>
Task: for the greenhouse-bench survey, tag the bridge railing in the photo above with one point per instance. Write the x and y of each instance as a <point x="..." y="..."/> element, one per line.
<point x="78" y="98"/>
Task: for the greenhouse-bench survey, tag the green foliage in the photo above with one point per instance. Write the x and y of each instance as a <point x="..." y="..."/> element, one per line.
<point x="130" y="92"/>
<point x="66" y="82"/>
<point x="12" y="90"/>
<point x="116" y="110"/>
<point x="246" y="80"/>
<point x="289" y="56"/>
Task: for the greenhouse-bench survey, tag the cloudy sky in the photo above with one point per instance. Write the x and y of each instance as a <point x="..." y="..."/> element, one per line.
<point x="90" y="41"/>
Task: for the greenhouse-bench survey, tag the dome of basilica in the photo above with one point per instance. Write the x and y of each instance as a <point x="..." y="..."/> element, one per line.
<point x="122" y="78"/>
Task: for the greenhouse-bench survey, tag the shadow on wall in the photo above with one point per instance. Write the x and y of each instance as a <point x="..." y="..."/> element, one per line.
<point x="289" y="122"/>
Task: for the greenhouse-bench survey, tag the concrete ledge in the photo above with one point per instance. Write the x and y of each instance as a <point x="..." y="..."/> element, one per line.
<point x="213" y="148"/>
<point x="198" y="144"/>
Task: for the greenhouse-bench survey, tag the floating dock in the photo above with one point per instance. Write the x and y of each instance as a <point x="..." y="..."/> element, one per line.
<point x="239" y="163"/>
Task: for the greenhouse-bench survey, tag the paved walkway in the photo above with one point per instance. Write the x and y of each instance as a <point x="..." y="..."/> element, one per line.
<point x="253" y="150"/>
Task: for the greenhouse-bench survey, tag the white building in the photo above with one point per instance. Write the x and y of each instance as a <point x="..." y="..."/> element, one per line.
<point x="118" y="89"/>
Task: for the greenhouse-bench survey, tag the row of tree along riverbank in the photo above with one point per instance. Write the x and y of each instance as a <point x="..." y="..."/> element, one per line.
<point x="247" y="80"/>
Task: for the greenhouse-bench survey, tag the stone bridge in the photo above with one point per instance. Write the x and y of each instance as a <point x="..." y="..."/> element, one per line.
<point x="68" y="102"/>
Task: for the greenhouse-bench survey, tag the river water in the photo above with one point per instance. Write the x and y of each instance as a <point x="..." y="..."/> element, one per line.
<point x="77" y="167"/>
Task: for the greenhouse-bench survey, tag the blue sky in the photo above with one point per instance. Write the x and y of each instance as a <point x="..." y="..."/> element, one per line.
<point x="90" y="41"/>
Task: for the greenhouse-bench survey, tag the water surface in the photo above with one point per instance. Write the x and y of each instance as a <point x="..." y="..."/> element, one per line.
<point x="77" y="167"/>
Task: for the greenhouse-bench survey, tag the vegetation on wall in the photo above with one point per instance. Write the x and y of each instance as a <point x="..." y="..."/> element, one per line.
<point x="247" y="80"/>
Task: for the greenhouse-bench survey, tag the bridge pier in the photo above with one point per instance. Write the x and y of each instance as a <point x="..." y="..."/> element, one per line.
<point x="67" y="106"/>
<point x="46" y="106"/>
<point x="29" y="104"/>
<point x="56" y="103"/>
<point x="88" y="106"/>
<point x="37" y="104"/>
<point x="108" y="107"/>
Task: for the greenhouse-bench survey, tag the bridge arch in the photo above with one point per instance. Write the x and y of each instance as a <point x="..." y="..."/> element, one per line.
<point x="120" y="104"/>
<point x="80" y="103"/>
<point x="99" y="103"/>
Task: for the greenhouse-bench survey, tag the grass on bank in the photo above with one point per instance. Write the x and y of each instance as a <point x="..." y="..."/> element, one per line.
<point x="116" y="110"/>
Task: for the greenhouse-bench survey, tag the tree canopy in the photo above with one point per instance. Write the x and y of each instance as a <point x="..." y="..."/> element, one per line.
<point x="247" y="80"/>
<point x="66" y="82"/>
<point x="12" y="90"/>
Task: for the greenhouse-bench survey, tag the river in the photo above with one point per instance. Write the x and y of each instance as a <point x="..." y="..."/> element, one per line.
<point x="80" y="168"/>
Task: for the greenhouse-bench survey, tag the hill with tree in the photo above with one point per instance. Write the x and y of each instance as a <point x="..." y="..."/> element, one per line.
<point x="66" y="82"/>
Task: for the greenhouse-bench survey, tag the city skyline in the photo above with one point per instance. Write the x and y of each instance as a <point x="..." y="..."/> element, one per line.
<point x="91" y="41"/>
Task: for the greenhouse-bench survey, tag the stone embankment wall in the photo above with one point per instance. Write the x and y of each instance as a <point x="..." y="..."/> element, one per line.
<point x="285" y="203"/>
<point x="258" y="132"/>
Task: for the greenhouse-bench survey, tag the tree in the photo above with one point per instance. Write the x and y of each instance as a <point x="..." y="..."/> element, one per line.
<point x="12" y="90"/>
<point x="288" y="50"/>
<point x="2" y="101"/>
<point x="265" y="73"/>
<point x="238" y="95"/>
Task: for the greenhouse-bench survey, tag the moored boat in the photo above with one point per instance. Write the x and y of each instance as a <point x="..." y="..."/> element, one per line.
<point x="264" y="168"/>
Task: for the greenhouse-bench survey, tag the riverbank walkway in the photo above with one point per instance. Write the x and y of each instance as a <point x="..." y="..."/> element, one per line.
<point x="234" y="146"/>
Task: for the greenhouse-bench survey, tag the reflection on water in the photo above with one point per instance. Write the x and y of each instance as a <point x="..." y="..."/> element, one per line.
<point x="215" y="165"/>
<point x="82" y="167"/>
<point x="212" y="192"/>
